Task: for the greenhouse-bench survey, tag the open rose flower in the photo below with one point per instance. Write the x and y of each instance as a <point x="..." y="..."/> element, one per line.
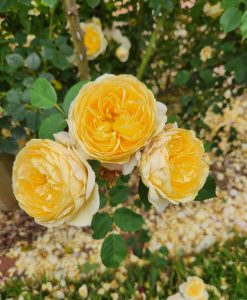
<point x="94" y="38"/>
<point x="113" y="117"/>
<point x="194" y="289"/>
<point x="173" y="167"/>
<point x="54" y="185"/>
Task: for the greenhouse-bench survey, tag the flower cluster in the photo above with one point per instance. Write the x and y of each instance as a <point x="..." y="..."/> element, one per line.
<point x="117" y="121"/>
<point x="193" y="289"/>
<point x="95" y="40"/>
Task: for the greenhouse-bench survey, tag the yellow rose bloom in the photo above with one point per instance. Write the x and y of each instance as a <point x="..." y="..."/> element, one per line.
<point x="173" y="167"/>
<point x="54" y="185"/>
<point x="94" y="39"/>
<point x="194" y="289"/>
<point x="113" y="117"/>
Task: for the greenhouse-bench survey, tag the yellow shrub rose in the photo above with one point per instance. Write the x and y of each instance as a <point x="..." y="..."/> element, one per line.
<point x="173" y="167"/>
<point x="194" y="289"/>
<point x="113" y="117"/>
<point x="53" y="185"/>
<point x="94" y="39"/>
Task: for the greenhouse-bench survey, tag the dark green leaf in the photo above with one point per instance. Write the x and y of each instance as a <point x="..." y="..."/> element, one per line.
<point x="33" y="61"/>
<point x="119" y="194"/>
<point x="101" y="225"/>
<point x="72" y="93"/>
<point x="182" y="77"/>
<point x="42" y="94"/>
<point x="102" y="200"/>
<point x="127" y="220"/>
<point x="208" y="191"/>
<point x="6" y="4"/>
<point x="113" y="251"/>
<point x="231" y="19"/>
<point x="15" y="60"/>
<point x="52" y="124"/>
<point x="143" y="194"/>
<point x="93" y="3"/>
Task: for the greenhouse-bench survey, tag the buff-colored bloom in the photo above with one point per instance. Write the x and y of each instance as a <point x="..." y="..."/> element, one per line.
<point x="206" y="53"/>
<point x="54" y="185"/>
<point x="194" y="289"/>
<point x="122" y="53"/>
<point x="83" y="291"/>
<point x="94" y="38"/>
<point x="173" y="167"/>
<point x="177" y="296"/>
<point x="113" y="117"/>
<point x="213" y="10"/>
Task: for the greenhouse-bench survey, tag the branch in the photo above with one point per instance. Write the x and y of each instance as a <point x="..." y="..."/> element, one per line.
<point x="150" y="49"/>
<point x="77" y="35"/>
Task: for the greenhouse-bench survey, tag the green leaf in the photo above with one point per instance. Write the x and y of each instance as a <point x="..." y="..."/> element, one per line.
<point x="113" y="251"/>
<point x="101" y="225"/>
<point x="225" y="4"/>
<point x="49" y="3"/>
<point x="59" y="60"/>
<point x="102" y="200"/>
<point x="42" y="94"/>
<point x="143" y="194"/>
<point x="243" y="26"/>
<point x="71" y="94"/>
<point x="119" y="194"/>
<point x="127" y="220"/>
<point x="33" y="61"/>
<point x="6" y="4"/>
<point x="206" y="75"/>
<point x="52" y="124"/>
<point x="231" y="19"/>
<point x="182" y="77"/>
<point x="16" y="111"/>
<point x="15" y="60"/>
<point x="93" y="3"/>
<point x="208" y="191"/>
<point x="168" y="4"/>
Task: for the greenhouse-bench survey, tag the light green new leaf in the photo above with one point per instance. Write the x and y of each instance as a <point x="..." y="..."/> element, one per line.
<point x="42" y="94"/>
<point x="231" y="19"/>
<point x="113" y="251"/>
<point x="208" y="191"/>
<point x="225" y="4"/>
<point x="52" y="124"/>
<point x="127" y="220"/>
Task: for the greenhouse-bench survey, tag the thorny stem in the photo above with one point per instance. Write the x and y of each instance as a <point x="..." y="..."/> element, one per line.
<point x="77" y="35"/>
<point x="150" y="49"/>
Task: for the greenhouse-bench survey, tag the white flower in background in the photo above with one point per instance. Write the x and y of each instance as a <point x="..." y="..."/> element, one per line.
<point x="177" y="296"/>
<point x="94" y="38"/>
<point x="122" y="52"/>
<point x="187" y="4"/>
<point x="194" y="289"/>
<point x="212" y="10"/>
<point x="29" y="39"/>
<point x="206" y="53"/>
<point x="83" y="292"/>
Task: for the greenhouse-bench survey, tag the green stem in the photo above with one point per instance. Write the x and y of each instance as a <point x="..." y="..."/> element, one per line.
<point x="59" y="108"/>
<point x="150" y="49"/>
<point x="52" y="11"/>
